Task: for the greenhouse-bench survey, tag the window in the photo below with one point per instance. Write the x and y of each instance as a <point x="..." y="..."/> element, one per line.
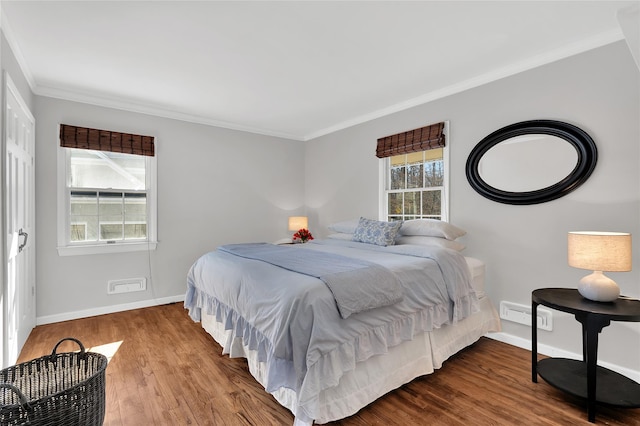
<point x="415" y="179"/>
<point x="106" y="200"/>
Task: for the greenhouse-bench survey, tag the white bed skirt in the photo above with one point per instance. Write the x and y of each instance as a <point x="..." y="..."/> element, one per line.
<point x="379" y="374"/>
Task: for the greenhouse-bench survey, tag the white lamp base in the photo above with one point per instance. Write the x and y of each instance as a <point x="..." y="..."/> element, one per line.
<point x="598" y="287"/>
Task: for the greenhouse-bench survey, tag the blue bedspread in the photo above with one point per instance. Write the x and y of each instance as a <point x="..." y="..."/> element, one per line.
<point x="357" y="285"/>
<point x="290" y="319"/>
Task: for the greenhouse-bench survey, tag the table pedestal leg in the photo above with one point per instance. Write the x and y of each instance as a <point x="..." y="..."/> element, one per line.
<point x="534" y="342"/>
<point x="592" y="325"/>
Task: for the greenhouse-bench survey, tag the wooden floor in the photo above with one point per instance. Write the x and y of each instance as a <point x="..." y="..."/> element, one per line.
<point x="168" y="371"/>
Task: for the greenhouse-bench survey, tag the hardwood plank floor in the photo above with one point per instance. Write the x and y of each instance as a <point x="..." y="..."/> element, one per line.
<point x="168" y="371"/>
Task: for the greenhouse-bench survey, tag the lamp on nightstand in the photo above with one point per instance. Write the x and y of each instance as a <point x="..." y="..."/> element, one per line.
<point x="599" y="252"/>
<point x="298" y="222"/>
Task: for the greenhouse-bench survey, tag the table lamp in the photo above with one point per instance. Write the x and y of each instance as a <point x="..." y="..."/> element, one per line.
<point x="599" y="252"/>
<point x="298" y="222"/>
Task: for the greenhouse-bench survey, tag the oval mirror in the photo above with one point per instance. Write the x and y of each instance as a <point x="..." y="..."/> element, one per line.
<point x="531" y="162"/>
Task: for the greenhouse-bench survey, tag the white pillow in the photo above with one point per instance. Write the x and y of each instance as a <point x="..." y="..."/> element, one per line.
<point x="340" y="236"/>
<point x="345" y="227"/>
<point x="429" y="241"/>
<point x="431" y="228"/>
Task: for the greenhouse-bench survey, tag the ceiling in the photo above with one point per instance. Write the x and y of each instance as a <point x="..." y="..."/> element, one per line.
<point x="294" y="69"/>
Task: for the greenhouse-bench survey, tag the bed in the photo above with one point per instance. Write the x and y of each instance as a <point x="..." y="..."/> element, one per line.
<point x="324" y="342"/>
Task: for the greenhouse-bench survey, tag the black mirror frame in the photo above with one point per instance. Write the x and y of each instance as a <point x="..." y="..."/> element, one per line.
<point x="579" y="139"/>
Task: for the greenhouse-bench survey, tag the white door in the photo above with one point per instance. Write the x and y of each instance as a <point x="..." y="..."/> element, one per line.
<point x="19" y="202"/>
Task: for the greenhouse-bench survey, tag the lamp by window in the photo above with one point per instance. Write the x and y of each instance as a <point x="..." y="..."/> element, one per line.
<point x="599" y="252"/>
<point x="298" y="222"/>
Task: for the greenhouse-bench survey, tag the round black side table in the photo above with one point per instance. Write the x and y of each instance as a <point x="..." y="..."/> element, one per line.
<point x="585" y="378"/>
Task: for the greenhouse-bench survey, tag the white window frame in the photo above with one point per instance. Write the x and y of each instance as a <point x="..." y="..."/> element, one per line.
<point x="68" y="248"/>
<point x="384" y="164"/>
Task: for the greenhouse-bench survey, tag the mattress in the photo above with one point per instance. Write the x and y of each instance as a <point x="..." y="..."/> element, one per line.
<point x="381" y="373"/>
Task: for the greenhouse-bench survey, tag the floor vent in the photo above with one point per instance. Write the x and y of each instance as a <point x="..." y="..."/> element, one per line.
<point x="126" y="286"/>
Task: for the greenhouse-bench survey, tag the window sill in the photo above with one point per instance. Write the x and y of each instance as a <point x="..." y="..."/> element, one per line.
<point x="106" y="248"/>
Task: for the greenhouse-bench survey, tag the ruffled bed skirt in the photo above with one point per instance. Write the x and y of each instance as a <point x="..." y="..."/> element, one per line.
<point x="370" y="379"/>
<point x="300" y="391"/>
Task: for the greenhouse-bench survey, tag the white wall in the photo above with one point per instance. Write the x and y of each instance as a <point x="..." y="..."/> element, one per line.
<point x="524" y="247"/>
<point x="215" y="186"/>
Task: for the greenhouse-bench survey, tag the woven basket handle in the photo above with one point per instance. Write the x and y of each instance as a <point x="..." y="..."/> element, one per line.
<point x="23" y="399"/>
<point x="55" y="348"/>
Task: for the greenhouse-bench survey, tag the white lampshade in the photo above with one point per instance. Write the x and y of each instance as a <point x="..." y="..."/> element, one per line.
<point x="599" y="252"/>
<point x="297" y="223"/>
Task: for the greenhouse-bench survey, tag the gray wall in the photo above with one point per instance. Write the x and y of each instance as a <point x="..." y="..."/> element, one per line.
<point x="215" y="186"/>
<point x="524" y="247"/>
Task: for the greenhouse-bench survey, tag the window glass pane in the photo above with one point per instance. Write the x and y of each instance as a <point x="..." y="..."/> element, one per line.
<point x="101" y="169"/>
<point x="110" y="230"/>
<point x="84" y="228"/>
<point x="133" y="231"/>
<point x="397" y="178"/>
<point x="135" y="216"/>
<point x="431" y="201"/>
<point x="414" y="176"/>
<point x="84" y="203"/>
<point x="84" y="216"/>
<point x="110" y="204"/>
<point x="78" y="231"/>
<point x="395" y="203"/>
<point x="434" y="173"/>
<point x="412" y="203"/>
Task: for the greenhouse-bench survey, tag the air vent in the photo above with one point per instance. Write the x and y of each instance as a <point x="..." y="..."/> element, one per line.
<point x="522" y="314"/>
<point x="126" y="286"/>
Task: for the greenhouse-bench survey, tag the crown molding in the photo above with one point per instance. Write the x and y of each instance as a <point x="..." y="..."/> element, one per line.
<point x="126" y="105"/>
<point x="562" y="52"/>
<point x="15" y="48"/>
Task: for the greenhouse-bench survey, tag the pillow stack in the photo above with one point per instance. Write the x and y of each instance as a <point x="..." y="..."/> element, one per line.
<point x="428" y="232"/>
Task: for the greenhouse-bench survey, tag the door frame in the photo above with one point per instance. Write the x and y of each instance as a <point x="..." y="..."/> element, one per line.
<point x="7" y="358"/>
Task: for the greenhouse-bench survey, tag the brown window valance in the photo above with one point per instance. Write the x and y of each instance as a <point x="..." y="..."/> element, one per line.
<point x="106" y="140"/>
<point x="422" y="139"/>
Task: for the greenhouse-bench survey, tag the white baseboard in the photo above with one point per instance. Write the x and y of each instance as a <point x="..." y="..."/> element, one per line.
<point x="48" y="319"/>
<point x="559" y="353"/>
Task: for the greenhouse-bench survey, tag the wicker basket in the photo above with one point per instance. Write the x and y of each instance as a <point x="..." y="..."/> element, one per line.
<point x="57" y="389"/>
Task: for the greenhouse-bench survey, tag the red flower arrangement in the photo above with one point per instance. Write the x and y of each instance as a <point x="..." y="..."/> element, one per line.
<point x="302" y="236"/>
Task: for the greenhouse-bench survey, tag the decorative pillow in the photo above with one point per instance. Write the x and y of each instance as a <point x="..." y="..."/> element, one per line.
<point x="429" y="241"/>
<point x="345" y="227"/>
<point x="376" y="232"/>
<point x="431" y="228"/>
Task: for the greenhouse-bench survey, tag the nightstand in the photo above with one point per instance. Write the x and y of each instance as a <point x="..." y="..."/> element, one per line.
<point x="585" y="378"/>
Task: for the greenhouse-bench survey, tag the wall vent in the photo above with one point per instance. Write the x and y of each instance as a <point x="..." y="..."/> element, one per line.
<point x="522" y="315"/>
<point x="127" y="285"/>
